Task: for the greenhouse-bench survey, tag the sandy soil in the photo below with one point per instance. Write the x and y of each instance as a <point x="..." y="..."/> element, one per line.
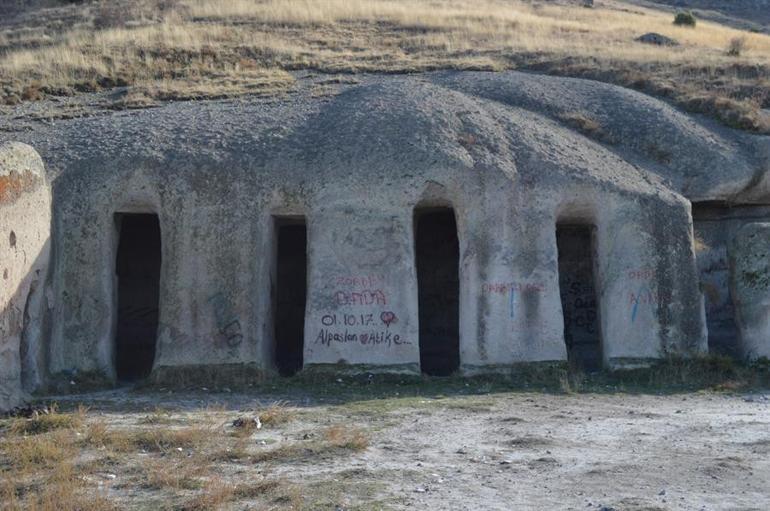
<point x="507" y="450"/>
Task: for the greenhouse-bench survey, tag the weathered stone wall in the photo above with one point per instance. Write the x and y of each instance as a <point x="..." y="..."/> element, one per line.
<point x="495" y="147"/>
<point x="25" y="220"/>
<point x="357" y="176"/>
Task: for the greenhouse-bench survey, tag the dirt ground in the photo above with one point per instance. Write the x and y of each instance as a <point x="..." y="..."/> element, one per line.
<point x="471" y="447"/>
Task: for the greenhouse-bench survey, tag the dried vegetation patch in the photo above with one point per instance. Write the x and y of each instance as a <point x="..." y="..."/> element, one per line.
<point x="83" y="460"/>
<point x="190" y="49"/>
<point x="331" y="441"/>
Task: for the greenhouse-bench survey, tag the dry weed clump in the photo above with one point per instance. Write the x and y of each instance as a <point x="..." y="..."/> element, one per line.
<point x="216" y="493"/>
<point x="344" y="437"/>
<point x="333" y="440"/>
<point x="151" y="440"/>
<point x="48" y="419"/>
<point x="588" y="126"/>
<point x="39" y="451"/>
<point x="276" y="414"/>
<point x="737" y="46"/>
<point x="157" y="417"/>
<point x="40" y="472"/>
<point x="64" y="461"/>
<point x="175" y="474"/>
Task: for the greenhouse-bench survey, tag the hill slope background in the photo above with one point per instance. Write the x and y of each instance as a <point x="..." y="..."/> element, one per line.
<point x="157" y="50"/>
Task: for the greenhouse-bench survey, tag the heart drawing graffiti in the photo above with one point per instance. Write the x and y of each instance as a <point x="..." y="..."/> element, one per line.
<point x="388" y="317"/>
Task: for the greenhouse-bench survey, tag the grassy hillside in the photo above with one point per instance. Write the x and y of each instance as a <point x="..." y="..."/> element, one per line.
<point x="185" y="49"/>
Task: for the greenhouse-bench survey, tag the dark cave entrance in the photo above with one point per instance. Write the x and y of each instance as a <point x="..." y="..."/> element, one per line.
<point x="714" y="225"/>
<point x="578" y="295"/>
<point x="437" y="251"/>
<point x="138" y="279"/>
<point x="291" y="294"/>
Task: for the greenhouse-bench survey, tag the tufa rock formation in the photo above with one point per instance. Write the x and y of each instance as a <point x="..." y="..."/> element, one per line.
<point x="445" y="222"/>
<point x="25" y="222"/>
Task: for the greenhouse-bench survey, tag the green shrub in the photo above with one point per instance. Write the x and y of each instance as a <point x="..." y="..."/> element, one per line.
<point x="686" y="19"/>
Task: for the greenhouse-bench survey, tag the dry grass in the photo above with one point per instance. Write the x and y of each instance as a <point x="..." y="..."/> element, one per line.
<point x="149" y="440"/>
<point x="63" y="461"/>
<point x="175" y="474"/>
<point x="48" y="420"/>
<point x="216" y="493"/>
<point x="588" y="126"/>
<point x="158" y="416"/>
<point x="189" y="49"/>
<point x="333" y="440"/>
<point x="276" y="414"/>
<point x="346" y="437"/>
<point x="63" y="490"/>
<point x="32" y="452"/>
<point x="38" y="465"/>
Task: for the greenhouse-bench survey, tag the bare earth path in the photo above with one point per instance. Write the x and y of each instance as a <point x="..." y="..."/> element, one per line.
<point x="509" y="450"/>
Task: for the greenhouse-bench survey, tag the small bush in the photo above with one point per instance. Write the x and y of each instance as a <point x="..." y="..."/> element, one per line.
<point x="276" y="414"/>
<point x="346" y="438"/>
<point x="48" y="420"/>
<point x="685" y="19"/>
<point x="736" y="46"/>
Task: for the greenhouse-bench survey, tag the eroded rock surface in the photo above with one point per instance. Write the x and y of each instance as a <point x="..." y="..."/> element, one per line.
<point x="510" y="155"/>
<point x="25" y="216"/>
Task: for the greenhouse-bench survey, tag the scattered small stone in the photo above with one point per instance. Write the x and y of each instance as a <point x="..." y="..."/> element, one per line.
<point x="29" y="411"/>
<point x="662" y="492"/>
<point x="421" y="489"/>
<point x="657" y="39"/>
<point x="242" y="422"/>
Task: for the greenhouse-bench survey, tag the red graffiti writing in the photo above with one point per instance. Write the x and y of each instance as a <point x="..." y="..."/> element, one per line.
<point x="366" y="297"/>
<point x="641" y="274"/>
<point x="388" y="317"/>
<point x="357" y="281"/>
